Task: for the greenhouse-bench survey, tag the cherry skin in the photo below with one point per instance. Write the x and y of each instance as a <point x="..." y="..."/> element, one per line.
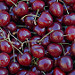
<point x="22" y="72"/>
<point x="9" y="3"/>
<point x="11" y="26"/>
<point x="3" y="6"/>
<point x="3" y="34"/>
<point x="30" y="73"/>
<point x="34" y="40"/>
<point x="45" y="64"/>
<point x="72" y="72"/>
<point x="38" y="4"/>
<point x="23" y="34"/>
<point x="5" y="46"/>
<point x="3" y="15"/>
<point x="40" y="31"/>
<point x="45" y="20"/>
<point x="56" y="36"/>
<point x="26" y="50"/>
<point x="70" y="32"/>
<point x="37" y="51"/>
<point x="13" y="67"/>
<point x="69" y="19"/>
<point x="58" y="71"/>
<point x="4" y="59"/>
<point x="46" y="41"/>
<point x="24" y="59"/>
<point x="56" y="9"/>
<point x="1" y="0"/>
<point x="74" y="7"/>
<point x="3" y="71"/>
<point x="54" y="50"/>
<point x="54" y="26"/>
<point x="21" y="9"/>
<point x="66" y="63"/>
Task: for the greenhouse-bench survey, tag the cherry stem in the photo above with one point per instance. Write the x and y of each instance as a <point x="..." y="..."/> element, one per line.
<point x="43" y="72"/>
<point x="65" y="43"/>
<point x="13" y="3"/>
<point x="57" y="0"/>
<point x="68" y="34"/>
<point x="13" y="54"/>
<point x="45" y="36"/>
<point x="29" y="15"/>
<point x="65" y="6"/>
<point x="21" y="26"/>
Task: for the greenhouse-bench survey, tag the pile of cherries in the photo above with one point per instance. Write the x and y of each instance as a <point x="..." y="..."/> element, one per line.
<point x="37" y="37"/>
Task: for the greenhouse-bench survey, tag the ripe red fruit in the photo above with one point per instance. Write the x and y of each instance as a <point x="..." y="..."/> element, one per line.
<point x="72" y="72"/>
<point x="30" y="73"/>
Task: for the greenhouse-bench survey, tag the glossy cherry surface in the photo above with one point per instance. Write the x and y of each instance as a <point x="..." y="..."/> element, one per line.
<point x="50" y="2"/>
<point x="4" y="59"/>
<point x="56" y="9"/>
<point x="45" y="64"/>
<point x="45" y="20"/>
<point x="72" y="72"/>
<point x="30" y="73"/>
<point x="24" y="59"/>
<point x="66" y="63"/>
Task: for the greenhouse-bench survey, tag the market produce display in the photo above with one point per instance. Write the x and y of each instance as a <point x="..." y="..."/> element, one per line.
<point x="37" y="37"/>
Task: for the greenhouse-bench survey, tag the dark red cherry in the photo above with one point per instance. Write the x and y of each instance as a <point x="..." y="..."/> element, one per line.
<point x="3" y="71"/>
<point x="54" y="50"/>
<point x="54" y="26"/>
<point x="4" y="18"/>
<point x="58" y="71"/>
<point x="69" y="19"/>
<point x="73" y="7"/>
<point x="5" y="46"/>
<point x="46" y="41"/>
<point x="26" y="50"/>
<point x="40" y="31"/>
<point x="11" y="26"/>
<point x="21" y="9"/>
<point x="56" y="36"/>
<point x="45" y="20"/>
<point x="69" y="1"/>
<point x="38" y="4"/>
<point x="23" y="34"/>
<point x="3" y="34"/>
<point x="22" y="72"/>
<point x="34" y="40"/>
<point x="1" y="0"/>
<point x="4" y="59"/>
<point x="37" y="51"/>
<point x="24" y="59"/>
<point x="56" y="9"/>
<point x="30" y="73"/>
<point x="70" y="32"/>
<point x="66" y="63"/>
<point x="9" y="3"/>
<point x="72" y="72"/>
<point x="3" y="6"/>
<point x="45" y="64"/>
<point x="13" y="67"/>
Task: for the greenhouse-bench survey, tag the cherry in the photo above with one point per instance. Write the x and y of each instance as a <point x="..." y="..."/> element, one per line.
<point x="72" y="72"/>
<point x="46" y="41"/>
<point x="45" y="64"/>
<point x="4" y="59"/>
<point x="22" y="72"/>
<point x="66" y="63"/>
<point x="9" y="3"/>
<point x="58" y="71"/>
<point x="38" y="4"/>
<point x="30" y="73"/>
<point x="4" y="18"/>
<point x="40" y="31"/>
<point x="56" y="36"/>
<point x="1" y="0"/>
<point x="23" y="34"/>
<point x="5" y="46"/>
<point x="37" y="51"/>
<point x="74" y="7"/>
<point x="56" y="9"/>
<point x="21" y="9"/>
<point x="26" y="50"/>
<point x="45" y="20"/>
<point x="54" y="26"/>
<point x="3" y="6"/>
<point x="54" y="50"/>
<point x="70" y="32"/>
<point x="24" y="59"/>
<point x="3" y="71"/>
<point x="3" y="34"/>
<point x="34" y="40"/>
<point x="11" y="26"/>
<point x="69" y="19"/>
